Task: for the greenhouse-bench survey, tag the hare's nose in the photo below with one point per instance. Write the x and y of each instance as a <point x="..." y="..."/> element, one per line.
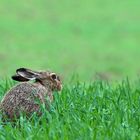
<point x="59" y="86"/>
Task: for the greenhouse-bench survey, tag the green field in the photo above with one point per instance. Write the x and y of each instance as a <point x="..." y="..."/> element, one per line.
<point x="86" y="42"/>
<point x="84" y="112"/>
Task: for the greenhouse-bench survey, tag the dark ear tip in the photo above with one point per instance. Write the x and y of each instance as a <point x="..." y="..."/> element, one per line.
<point x="19" y="78"/>
<point x="21" y="69"/>
<point x="14" y="77"/>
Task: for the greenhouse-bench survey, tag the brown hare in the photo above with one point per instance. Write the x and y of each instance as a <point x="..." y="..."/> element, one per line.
<point x="24" y="97"/>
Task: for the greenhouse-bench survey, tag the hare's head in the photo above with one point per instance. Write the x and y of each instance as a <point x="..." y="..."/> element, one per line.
<point x="46" y="78"/>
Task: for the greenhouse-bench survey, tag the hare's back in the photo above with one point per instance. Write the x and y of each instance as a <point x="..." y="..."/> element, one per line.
<point x="22" y="97"/>
<point x="25" y="89"/>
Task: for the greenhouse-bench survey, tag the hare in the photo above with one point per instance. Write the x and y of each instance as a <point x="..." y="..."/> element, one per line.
<point x="24" y="96"/>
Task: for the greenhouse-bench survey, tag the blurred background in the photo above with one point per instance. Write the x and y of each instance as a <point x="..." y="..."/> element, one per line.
<point x="88" y="38"/>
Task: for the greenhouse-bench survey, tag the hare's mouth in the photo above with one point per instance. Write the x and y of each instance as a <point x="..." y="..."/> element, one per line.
<point x="59" y="87"/>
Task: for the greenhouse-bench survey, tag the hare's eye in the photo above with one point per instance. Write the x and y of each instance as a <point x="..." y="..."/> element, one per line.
<point x="53" y="76"/>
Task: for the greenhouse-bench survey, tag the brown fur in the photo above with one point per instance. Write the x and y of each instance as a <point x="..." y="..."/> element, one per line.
<point x="26" y="97"/>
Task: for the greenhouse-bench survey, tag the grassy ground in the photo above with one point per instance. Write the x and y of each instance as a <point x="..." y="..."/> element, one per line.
<point x="84" y="37"/>
<point x="84" y="111"/>
<point x="90" y="39"/>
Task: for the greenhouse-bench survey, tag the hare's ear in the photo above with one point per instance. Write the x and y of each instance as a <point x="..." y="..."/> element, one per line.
<point x="27" y="73"/>
<point x="19" y="78"/>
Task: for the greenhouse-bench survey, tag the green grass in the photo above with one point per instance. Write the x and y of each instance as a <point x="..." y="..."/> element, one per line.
<point x="91" y="39"/>
<point x="83" y="111"/>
